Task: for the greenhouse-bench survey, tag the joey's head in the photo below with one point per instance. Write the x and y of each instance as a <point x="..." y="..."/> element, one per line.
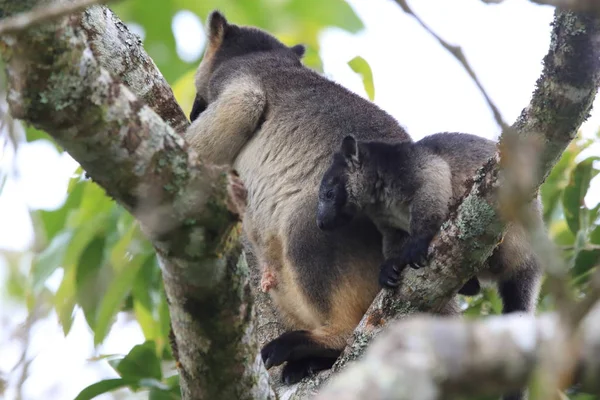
<point x="347" y="185"/>
<point x="227" y="41"/>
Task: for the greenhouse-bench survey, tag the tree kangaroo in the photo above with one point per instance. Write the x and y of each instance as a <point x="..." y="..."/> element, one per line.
<point x="407" y="189"/>
<point x="277" y="123"/>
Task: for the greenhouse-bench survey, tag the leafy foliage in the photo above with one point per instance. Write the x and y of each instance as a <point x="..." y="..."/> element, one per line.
<point x="573" y="226"/>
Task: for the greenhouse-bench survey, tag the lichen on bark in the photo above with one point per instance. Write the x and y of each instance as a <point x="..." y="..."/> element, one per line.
<point x="57" y="84"/>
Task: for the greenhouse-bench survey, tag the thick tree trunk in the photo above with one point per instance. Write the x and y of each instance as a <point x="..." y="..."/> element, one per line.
<point x="57" y="84"/>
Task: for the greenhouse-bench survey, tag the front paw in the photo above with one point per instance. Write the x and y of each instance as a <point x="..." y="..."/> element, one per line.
<point x="389" y="272"/>
<point x="415" y="253"/>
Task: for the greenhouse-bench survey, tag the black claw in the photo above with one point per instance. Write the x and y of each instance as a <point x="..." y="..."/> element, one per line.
<point x="392" y="283"/>
<point x="268" y="364"/>
<point x="389" y="274"/>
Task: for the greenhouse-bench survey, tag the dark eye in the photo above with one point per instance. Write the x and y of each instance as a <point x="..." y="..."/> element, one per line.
<point x="329" y="195"/>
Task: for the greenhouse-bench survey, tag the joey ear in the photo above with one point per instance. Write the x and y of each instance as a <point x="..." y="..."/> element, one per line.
<point x="217" y="26"/>
<point x="299" y="49"/>
<point x="350" y="148"/>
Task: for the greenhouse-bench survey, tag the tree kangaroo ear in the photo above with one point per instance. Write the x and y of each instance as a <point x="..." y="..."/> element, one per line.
<point x="299" y="49"/>
<point x="350" y="149"/>
<point x="217" y="26"/>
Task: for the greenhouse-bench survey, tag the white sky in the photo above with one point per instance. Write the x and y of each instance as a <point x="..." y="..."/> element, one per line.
<point x="416" y="81"/>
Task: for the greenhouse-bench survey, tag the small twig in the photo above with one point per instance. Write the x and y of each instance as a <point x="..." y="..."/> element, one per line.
<point x="44" y="13"/>
<point x="592" y="6"/>
<point x="457" y="52"/>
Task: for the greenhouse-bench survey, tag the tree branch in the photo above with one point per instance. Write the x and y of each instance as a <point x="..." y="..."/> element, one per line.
<point x="44" y="13"/>
<point x="57" y="85"/>
<point x="457" y="52"/>
<point x="121" y="52"/>
<point x="435" y="358"/>
<point x="560" y="104"/>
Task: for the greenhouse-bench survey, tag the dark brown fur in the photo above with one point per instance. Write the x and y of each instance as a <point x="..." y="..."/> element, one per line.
<point x="277" y="122"/>
<point x="407" y="190"/>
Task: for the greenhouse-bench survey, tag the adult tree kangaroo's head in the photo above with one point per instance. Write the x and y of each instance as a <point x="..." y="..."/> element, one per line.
<point x="225" y="41"/>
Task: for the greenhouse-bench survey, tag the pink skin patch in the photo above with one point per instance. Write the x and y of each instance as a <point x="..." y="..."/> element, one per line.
<point x="267" y="281"/>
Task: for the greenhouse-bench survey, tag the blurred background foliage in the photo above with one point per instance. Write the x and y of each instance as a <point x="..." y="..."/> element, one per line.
<point x="108" y="267"/>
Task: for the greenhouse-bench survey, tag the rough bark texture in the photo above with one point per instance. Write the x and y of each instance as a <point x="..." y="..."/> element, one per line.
<point x="567" y="87"/>
<point x="120" y="52"/>
<point x="57" y="84"/>
<point x="560" y="104"/>
<point x="429" y="359"/>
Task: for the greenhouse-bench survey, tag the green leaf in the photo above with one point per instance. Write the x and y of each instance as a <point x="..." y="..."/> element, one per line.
<point x="82" y="237"/>
<point x="585" y="260"/>
<point x="117" y="291"/>
<point x="164" y="318"/>
<point x="573" y="198"/>
<point x="184" y="90"/>
<point x="94" y="203"/>
<point x="49" y="260"/>
<point x="149" y="383"/>
<point x="146" y="296"/>
<point x="325" y="13"/>
<point x="171" y="394"/>
<point x="87" y="278"/>
<point x="561" y="234"/>
<point x="140" y="363"/>
<point x="54" y="221"/>
<point x="98" y="388"/>
<point x="34" y="134"/>
<point x="173" y="391"/>
<point x="558" y="179"/>
<point x="595" y="236"/>
<point x="147" y="282"/>
<point x="64" y="300"/>
<point x="362" y="67"/>
<point x="494" y="299"/>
